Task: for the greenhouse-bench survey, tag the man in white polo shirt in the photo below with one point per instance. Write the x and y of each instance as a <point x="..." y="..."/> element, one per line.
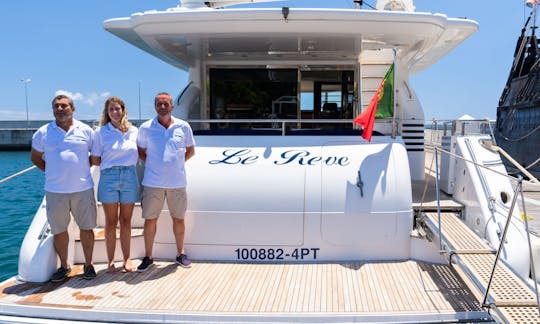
<point x="61" y="148"/>
<point x="165" y="143"/>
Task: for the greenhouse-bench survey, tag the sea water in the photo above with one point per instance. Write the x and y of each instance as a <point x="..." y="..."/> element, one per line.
<point x="20" y="198"/>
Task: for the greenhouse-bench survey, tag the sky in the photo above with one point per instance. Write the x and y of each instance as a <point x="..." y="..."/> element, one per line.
<point x="60" y="45"/>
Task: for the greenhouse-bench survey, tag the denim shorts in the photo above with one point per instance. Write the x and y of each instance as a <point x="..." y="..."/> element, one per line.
<point x="119" y="184"/>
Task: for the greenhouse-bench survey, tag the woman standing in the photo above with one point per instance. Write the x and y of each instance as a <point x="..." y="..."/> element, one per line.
<point x="115" y="150"/>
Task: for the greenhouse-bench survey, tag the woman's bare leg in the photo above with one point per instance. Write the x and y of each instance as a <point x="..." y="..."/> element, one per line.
<point x="111" y="221"/>
<point x="126" y="212"/>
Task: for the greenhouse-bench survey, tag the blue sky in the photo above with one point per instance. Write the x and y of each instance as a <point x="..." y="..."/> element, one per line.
<point x="61" y="45"/>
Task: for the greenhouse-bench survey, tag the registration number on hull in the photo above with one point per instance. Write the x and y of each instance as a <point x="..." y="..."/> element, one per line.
<point x="276" y="254"/>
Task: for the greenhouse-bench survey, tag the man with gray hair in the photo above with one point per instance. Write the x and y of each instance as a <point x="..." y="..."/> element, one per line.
<point x="61" y="148"/>
<point x="165" y="143"/>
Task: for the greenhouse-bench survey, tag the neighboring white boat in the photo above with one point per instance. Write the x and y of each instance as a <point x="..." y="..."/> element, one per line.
<point x="293" y="216"/>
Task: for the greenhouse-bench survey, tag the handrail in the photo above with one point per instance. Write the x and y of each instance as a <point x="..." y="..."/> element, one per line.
<point x="518" y="190"/>
<point x="503" y="239"/>
<point x="491" y="133"/>
<point x="44" y="231"/>
<point x="463" y="122"/>
<point x="496" y="148"/>
<point x="280" y="120"/>
<point x="492" y="145"/>
<point x="437" y="188"/>
<point x="17" y="174"/>
<point x="474" y="163"/>
<point x="283" y="122"/>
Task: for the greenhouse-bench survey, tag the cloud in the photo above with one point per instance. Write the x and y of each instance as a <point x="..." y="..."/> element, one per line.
<point x="73" y="95"/>
<point x="92" y="99"/>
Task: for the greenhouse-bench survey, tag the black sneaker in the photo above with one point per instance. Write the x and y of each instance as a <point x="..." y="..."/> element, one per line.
<point x="60" y="274"/>
<point x="183" y="261"/>
<point x="145" y="264"/>
<point x="89" y="272"/>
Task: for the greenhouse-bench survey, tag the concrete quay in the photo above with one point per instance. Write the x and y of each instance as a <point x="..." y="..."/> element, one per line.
<point x="13" y="139"/>
<point x="17" y="134"/>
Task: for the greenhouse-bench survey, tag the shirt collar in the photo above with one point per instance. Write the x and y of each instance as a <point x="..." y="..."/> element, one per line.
<point x="156" y="122"/>
<point x="76" y="124"/>
<point x="111" y="127"/>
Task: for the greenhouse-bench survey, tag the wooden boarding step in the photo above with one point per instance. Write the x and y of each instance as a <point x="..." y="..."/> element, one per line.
<point x="99" y="233"/>
<point x="476" y="258"/>
<point x="100" y="254"/>
<point x="460" y="238"/>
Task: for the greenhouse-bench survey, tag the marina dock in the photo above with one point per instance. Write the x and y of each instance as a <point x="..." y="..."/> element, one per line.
<point x="17" y="134"/>
<point x="16" y="138"/>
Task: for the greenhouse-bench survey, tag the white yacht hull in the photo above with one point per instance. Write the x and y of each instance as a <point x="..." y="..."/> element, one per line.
<point x="305" y="223"/>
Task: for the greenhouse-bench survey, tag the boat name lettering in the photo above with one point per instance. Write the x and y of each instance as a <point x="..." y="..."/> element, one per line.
<point x="236" y="157"/>
<point x="301" y="157"/>
<point x="276" y="254"/>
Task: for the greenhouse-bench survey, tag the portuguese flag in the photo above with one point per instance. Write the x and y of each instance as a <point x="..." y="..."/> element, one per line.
<point x="380" y="106"/>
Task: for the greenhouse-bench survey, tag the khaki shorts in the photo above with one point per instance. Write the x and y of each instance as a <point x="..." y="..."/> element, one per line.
<point x="82" y="206"/>
<point x="153" y="199"/>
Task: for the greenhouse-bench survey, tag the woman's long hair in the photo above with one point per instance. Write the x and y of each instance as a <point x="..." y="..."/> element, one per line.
<point x="124" y="123"/>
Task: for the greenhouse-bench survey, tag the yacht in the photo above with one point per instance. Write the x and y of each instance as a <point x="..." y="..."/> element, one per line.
<point x="295" y="214"/>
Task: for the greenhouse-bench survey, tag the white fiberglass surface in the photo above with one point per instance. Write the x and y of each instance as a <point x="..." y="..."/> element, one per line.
<point x="299" y="191"/>
<point x="369" y="204"/>
<point x="246" y="204"/>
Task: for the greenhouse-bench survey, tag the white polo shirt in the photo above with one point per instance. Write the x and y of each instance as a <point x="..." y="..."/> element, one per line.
<point x="114" y="147"/>
<point x="66" y="155"/>
<point x="165" y="152"/>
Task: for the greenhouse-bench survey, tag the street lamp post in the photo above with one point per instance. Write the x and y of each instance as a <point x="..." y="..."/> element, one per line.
<point x="26" y="82"/>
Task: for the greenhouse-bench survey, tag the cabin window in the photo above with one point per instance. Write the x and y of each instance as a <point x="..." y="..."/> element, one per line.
<point x="253" y="93"/>
<point x="250" y="95"/>
<point x="327" y="94"/>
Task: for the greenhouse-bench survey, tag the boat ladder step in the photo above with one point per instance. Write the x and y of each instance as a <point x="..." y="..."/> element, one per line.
<point x="484" y="251"/>
<point x="473" y="259"/>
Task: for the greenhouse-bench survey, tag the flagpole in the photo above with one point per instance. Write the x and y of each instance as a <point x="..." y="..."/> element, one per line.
<point x="394" y="126"/>
<point x="359" y="101"/>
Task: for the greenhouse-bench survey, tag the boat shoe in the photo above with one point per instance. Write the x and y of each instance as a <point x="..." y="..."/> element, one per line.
<point x="89" y="272"/>
<point x="183" y="261"/>
<point x="145" y="264"/>
<point x="60" y="274"/>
